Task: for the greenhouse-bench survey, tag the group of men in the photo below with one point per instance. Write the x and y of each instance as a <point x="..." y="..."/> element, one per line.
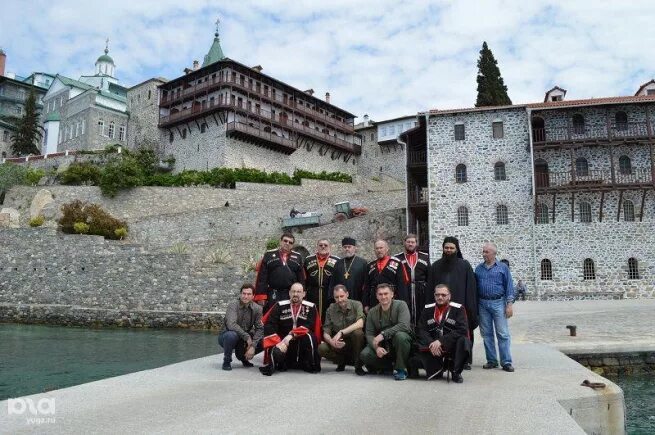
<point x="395" y="314"/>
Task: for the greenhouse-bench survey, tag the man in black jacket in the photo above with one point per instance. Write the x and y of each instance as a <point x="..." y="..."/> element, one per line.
<point x="384" y="270"/>
<point x="278" y="269"/>
<point x="416" y="267"/>
<point x="442" y="333"/>
<point x="319" y="269"/>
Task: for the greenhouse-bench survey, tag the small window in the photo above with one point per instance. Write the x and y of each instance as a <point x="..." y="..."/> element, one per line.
<point x="4" y="154"/>
<point x="499" y="171"/>
<point x="542" y="214"/>
<point x="101" y="128"/>
<point x="372" y="136"/>
<point x="633" y="268"/>
<point x="184" y="133"/>
<point x="5" y="136"/>
<point x="625" y="165"/>
<point x="628" y="211"/>
<point x="462" y="216"/>
<point x="585" y="212"/>
<point x="546" y="270"/>
<point x="581" y="167"/>
<point x="589" y="269"/>
<point x="578" y="124"/>
<point x="502" y="217"/>
<point x="83" y="125"/>
<point x="121" y="133"/>
<point x="621" y="119"/>
<point x="497" y="128"/>
<point x="650" y="92"/>
<point x="149" y="93"/>
<point x="203" y="127"/>
<point x="460" y="173"/>
<point x="111" y="130"/>
<point x="171" y="137"/>
<point x="459" y="132"/>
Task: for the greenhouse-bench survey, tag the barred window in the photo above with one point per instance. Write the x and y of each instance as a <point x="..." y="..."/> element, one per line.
<point x="628" y="211"/>
<point x="589" y="269"/>
<point x="499" y="172"/>
<point x="460" y="173"/>
<point x="459" y="132"/>
<point x="462" y="216"/>
<point x="497" y="129"/>
<point x="502" y="217"/>
<point x="633" y="268"/>
<point x="578" y="124"/>
<point x="625" y="165"/>
<point x="542" y="214"/>
<point x="581" y="167"/>
<point x="585" y="212"/>
<point x="546" y="270"/>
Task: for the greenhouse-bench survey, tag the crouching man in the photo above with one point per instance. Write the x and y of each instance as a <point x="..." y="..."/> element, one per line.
<point x="343" y="333"/>
<point x="388" y="334"/>
<point x="243" y="328"/>
<point x="292" y="333"/>
<point x="442" y="335"/>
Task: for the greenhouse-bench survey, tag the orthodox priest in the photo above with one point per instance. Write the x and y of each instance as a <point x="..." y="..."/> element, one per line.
<point x="292" y="333"/>
<point x="455" y="272"/>
<point x="384" y="270"/>
<point x="416" y="269"/>
<point x="319" y="269"/>
<point x="350" y="270"/>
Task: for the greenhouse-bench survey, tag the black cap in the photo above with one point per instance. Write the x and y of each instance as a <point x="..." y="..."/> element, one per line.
<point x="348" y="241"/>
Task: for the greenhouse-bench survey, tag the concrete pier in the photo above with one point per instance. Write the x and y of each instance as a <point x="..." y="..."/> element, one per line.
<point x="543" y="395"/>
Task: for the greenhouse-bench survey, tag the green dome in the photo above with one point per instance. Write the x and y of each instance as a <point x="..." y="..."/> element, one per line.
<point x="105" y="58"/>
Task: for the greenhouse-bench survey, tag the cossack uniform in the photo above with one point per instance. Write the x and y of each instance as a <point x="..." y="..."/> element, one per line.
<point x="276" y="272"/>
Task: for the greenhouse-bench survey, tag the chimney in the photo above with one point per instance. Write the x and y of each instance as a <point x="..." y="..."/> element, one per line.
<point x="327" y="97"/>
<point x="258" y="68"/>
<point x="310" y="92"/>
<point x="365" y="120"/>
<point x="3" y="59"/>
<point x="196" y="65"/>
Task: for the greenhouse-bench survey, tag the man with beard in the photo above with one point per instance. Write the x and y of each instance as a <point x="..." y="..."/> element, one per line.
<point x="442" y="333"/>
<point x="384" y="270"/>
<point x="319" y="269"/>
<point x="455" y="272"/>
<point x="416" y="271"/>
<point x="292" y="333"/>
<point x="278" y="269"/>
<point x="351" y="270"/>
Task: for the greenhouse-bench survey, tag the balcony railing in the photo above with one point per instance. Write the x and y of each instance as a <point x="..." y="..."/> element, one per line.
<point x="198" y="88"/>
<point x="593" y="178"/>
<point x="584" y="133"/>
<point x="269" y="136"/>
<point x="417" y="158"/>
<point x="417" y="195"/>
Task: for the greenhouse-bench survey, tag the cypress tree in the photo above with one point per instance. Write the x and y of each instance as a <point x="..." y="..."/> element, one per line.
<point x="491" y="87"/>
<point x="28" y="130"/>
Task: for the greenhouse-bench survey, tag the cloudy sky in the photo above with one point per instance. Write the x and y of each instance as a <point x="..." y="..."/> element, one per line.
<point x="386" y="58"/>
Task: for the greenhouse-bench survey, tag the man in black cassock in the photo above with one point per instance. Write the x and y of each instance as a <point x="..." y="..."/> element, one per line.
<point x="350" y="270"/>
<point x="442" y="332"/>
<point x="451" y="269"/>
<point x="416" y="265"/>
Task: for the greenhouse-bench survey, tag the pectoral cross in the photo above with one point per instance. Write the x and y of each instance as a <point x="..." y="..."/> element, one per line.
<point x="346" y="275"/>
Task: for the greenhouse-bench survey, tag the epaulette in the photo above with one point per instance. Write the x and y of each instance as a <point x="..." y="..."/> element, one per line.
<point x="424" y="253"/>
<point x="284" y="302"/>
<point x="431" y="305"/>
<point x="395" y="258"/>
<point x="295" y="252"/>
<point x="456" y="305"/>
<point x="273" y="250"/>
<point x="309" y="304"/>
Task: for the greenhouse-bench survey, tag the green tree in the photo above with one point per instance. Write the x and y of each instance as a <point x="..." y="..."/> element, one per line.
<point x="28" y="130"/>
<point x="491" y="87"/>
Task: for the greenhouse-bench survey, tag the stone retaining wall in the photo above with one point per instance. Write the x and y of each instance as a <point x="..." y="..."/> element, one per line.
<point x="613" y="364"/>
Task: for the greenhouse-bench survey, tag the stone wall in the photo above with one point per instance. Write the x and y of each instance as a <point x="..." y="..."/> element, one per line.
<point x="143" y="107"/>
<point x="616" y="364"/>
<point x="377" y="159"/>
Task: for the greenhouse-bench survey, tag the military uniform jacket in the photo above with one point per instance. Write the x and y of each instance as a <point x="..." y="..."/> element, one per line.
<point x="280" y="320"/>
<point x="416" y="280"/>
<point x="452" y="326"/>
<point x="274" y="275"/>
<point x="391" y="274"/>
<point x="317" y="281"/>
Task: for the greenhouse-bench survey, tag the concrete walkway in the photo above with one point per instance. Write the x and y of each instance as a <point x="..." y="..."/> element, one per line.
<point x="543" y="396"/>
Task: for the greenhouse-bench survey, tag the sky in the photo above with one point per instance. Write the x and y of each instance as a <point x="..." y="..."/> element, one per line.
<point x="382" y="58"/>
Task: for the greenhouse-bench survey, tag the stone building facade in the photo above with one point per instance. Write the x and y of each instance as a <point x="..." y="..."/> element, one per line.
<point x="564" y="188"/>
<point x="143" y="109"/>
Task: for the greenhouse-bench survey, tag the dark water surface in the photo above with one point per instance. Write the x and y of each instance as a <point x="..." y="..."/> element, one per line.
<point x="639" y="391"/>
<point x="36" y="358"/>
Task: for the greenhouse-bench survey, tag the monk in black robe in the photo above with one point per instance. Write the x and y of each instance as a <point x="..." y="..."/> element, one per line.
<point x="351" y="271"/>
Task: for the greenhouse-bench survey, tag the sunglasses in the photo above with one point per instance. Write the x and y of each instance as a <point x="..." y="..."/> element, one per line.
<point x="323" y="245"/>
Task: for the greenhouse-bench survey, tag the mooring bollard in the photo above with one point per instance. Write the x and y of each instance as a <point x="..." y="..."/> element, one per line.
<point x="572" y="330"/>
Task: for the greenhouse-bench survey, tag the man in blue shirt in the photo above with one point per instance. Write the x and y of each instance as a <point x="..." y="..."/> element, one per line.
<point x="495" y="298"/>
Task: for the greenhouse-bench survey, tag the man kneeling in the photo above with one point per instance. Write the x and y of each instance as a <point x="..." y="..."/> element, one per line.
<point x="292" y="332"/>
<point x="388" y="334"/>
<point x="343" y="334"/>
<point x="442" y="334"/>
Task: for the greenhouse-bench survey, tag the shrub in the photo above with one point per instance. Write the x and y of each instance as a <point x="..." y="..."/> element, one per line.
<point x="81" y="174"/>
<point x="33" y="176"/>
<point x="120" y="233"/>
<point x="119" y="174"/>
<point x="10" y="175"/>
<point x="179" y="248"/>
<point x="99" y="221"/>
<point x="81" y="228"/>
<point x="37" y="221"/>
<point x="272" y="243"/>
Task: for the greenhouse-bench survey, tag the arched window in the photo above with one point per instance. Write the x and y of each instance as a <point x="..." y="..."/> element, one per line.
<point x="581" y="167"/>
<point x="585" y="212"/>
<point x="621" y="119"/>
<point x="542" y="213"/>
<point x="462" y="216"/>
<point x="628" y="211"/>
<point x="633" y="268"/>
<point x="546" y="270"/>
<point x="625" y="165"/>
<point x="502" y="217"/>
<point x="578" y="124"/>
<point x="589" y="269"/>
<point x="499" y="171"/>
<point x="460" y="173"/>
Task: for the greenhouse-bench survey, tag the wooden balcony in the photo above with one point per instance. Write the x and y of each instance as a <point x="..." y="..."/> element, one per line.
<point x="594" y="180"/>
<point x="417" y="158"/>
<point x="591" y="135"/>
<point x="417" y="196"/>
<point x="261" y="137"/>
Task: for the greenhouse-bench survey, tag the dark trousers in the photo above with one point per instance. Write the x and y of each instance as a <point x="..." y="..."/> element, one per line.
<point x="398" y="355"/>
<point x="434" y="364"/>
<point x="231" y="342"/>
<point x="302" y="353"/>
<point x="275" y="296"/>
<point x="349" y="354"/>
